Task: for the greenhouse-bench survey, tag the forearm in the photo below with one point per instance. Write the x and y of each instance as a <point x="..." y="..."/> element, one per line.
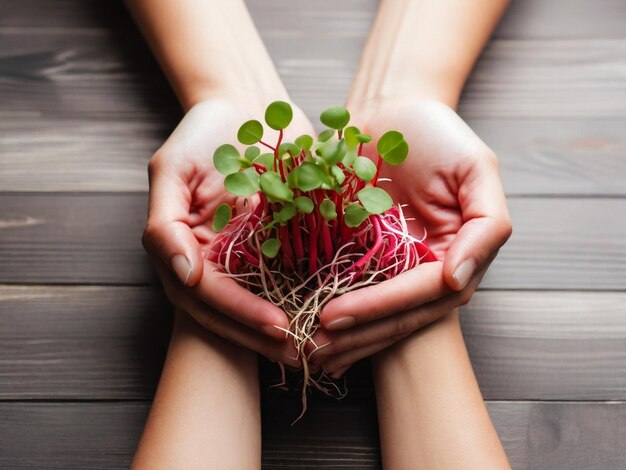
<point x="206" y="412"/>
<point x="423" y="49"/>
<point x="207" y="49"/>
<point x="431" y="412"/>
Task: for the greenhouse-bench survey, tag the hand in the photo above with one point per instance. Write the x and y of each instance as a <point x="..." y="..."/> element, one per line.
<point x="185" y="189"/>
<point x="452" y="186"/>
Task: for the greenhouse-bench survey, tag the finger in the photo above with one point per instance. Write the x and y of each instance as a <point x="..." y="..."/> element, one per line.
<point x="410" y="289"/>
<point x="226" y="295"/>
<point x="339" y="364"/>
<point x="327" y="344"/>
<point x="234" y="332"/>
<point x="487" y="223"/>
<point x="334" y="343"/>
<point x="222" y="293"/>
<point x="167" y="233"/>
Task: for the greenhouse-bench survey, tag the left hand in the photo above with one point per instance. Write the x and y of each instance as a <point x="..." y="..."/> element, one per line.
<point x="452" y="186"/>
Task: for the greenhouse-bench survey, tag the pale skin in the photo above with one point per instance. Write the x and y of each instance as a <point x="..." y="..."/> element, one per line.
<point x="431" y="413"/>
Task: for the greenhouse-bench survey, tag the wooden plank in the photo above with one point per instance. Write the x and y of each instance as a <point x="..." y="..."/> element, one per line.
<point x="81" y="342"/>
<point x="563" y="244"/>
<point x="40" y="154"/>
<point x="524" y="18"/>
<point x="523" y="345"/>
<point x="548" y="345"/>
<point x="109" y="75"/>
<point x="535" y="435"/>
<point x="558" y="157"/>
<point x="95" y="238"/>
<point x="537" y="157"/>
<point x="73" y="238"/>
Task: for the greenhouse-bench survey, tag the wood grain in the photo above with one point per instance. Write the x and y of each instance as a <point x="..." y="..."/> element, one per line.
<point x="95" y="238"/>
<point x="523" y="345"/>
<point x="556" y="19"/>
<point x="107" y="74"/>
<point x="73" y="238"/>
<point x="554" y="435"/>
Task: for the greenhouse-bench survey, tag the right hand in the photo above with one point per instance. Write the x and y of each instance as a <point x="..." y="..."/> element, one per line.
<point x="185" y="189"/>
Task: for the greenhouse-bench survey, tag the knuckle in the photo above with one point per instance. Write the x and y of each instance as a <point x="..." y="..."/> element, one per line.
<point x="348" y="343"/>
<point x="406" y="323"/>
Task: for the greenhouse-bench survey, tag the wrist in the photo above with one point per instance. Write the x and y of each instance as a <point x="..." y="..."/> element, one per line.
<point x="373" y="90"/>
<point x="248" y="98"/>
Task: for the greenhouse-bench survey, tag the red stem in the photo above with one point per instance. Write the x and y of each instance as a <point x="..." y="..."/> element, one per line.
<point x="260" y="169"/>
<point x="276" y="162"/>
<point x="378" y="165"/>
<point x="296" y="233"/>
<point x="327" y="242"/>
<point x="267" y="145"/>
<point x="377" y="243"/>
<point x="285" y="245"/>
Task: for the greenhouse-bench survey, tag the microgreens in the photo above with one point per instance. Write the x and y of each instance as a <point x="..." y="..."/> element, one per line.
<point x="322" y="225"/>
<point x="327" y="173"/>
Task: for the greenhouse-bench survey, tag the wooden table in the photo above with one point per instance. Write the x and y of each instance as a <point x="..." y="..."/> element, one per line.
<point x="84" y="325"/>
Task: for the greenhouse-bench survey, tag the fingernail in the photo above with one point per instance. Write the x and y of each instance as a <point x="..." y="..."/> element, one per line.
<point x="339" y="373"/>
<point x="182" y="267"/>
<point x="341" y="323"/>
<point x="464" y="272"/>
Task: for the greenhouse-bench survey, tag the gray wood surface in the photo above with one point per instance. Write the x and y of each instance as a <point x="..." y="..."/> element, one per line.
<point x="558" y="436"/>
<point x="84" y="327"/>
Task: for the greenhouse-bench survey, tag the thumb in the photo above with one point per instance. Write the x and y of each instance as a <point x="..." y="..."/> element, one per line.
<point x="486" y="227"/>
<point x="167" y="234"/>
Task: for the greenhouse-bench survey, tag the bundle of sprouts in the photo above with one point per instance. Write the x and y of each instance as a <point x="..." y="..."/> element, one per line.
<point x="322" y="226"/>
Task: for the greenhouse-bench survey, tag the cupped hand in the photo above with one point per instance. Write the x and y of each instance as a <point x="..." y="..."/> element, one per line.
<point x="451" y="185"/>
<point x="185" y="189"/>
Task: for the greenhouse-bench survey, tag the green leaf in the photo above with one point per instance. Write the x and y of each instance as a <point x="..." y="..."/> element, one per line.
<point x="333" y="151"/>
<point x="292" y="149"/>
<point x="244" y="183"/>
<point x="222" y="216"/>
<point x="304" y="204"/>
<point x="328" y="209"/>
<point x="273" y="186"/>
<point x="250" y="132"/>
<point x="278" y="115"/>
<point x="354" y="215"/>
<point x="304" y="142"/>
<point x="286" y="213"/>
<point x="364" y="138"/>
<point x="325" y="135"/>
<point x="365" y="169"/>
<point x="392" y="147"/>
<point x="265" y="159"/>
<point x="335" y="118"/>
<point x="226" y="159"/>
<point x="349" y="157"/>
<point x="375" y="200"/>
<point x="306" y="177"/>
<point x="338" y="174"/>
<point x="251" y="153"/>
<point x="350" y="134"/>
<point x="270" y="247"/>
